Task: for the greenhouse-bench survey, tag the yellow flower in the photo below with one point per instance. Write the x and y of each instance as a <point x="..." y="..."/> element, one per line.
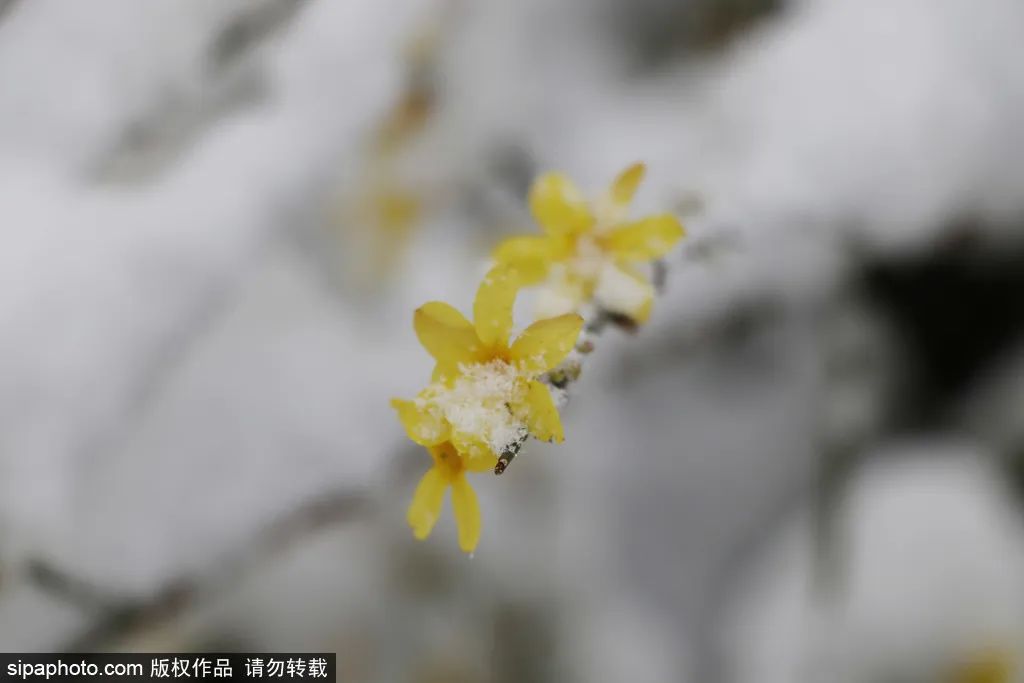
<point x="449" y="470"/>
<point x="991" y="665"/>
<point x="591" y="252"/>
<point x="486" y="395"/>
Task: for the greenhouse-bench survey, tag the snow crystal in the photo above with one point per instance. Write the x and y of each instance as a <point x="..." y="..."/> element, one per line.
<point x="480" y="403"/>
<point x="609" y="213"/>
<point x="559" y="396"/>
<point x="589" y="258"/>
<point x="552" y="301"/>
<point x="561" y="292"/>
<point x="617" y="291"/>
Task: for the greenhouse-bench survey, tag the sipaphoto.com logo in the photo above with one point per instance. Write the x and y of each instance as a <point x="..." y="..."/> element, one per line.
<point x="47" y="670"/>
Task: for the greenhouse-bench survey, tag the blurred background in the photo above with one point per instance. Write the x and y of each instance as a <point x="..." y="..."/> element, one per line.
<point x="808" y="467"/>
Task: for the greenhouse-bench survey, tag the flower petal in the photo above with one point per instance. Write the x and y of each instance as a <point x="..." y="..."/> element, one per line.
<point x="541" y="414"/>
<point x="492" y="309"/>
<point x="445" y="333"/>
<point x="529" y="255"/>
<point x="397" y="211"/>
<point x="467" y="514"/>
<point x="471" y="447"/>
<point x="624" y="186"/>
<point x="623" y="290"/>
<point x="423" y="426"/>
<point x="446" y="314"/>
<point x="559" y="206"/>
<point x="445" y="373"/>
<point x="561" y="294"/>
<point x="645" y="239"/>
<point x="546" y="343"/>
<point x="480" y="463"/>
<point x="426" y="503"/>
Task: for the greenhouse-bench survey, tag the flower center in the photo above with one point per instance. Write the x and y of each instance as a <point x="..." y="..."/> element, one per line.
<point x="608" y="213"/>
<point x="480" y="403"/>
<point x="450" y="460"/>
<point x="588" y="258"/>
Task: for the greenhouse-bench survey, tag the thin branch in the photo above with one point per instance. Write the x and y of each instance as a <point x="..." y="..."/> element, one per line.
<point x="6" y="6"/>
<point x="571" y="368"/>
<point x="119" y="619"/>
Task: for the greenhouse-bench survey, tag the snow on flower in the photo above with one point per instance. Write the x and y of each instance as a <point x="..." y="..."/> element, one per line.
<point x="486" y="394"/>
<point x="591" y="251"/>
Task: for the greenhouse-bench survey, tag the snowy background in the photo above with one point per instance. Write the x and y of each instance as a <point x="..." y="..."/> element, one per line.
<point x="808" y="467"/>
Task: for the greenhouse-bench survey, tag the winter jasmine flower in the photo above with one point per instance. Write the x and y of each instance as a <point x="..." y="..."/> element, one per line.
<point x="449" y="471"/>
<point x="486" y="393"/>
<point x="591" y="252"/>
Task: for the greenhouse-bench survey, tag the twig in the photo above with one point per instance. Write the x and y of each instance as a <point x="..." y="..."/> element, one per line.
<point x="249" y="29"/>
<point x="59" y="584"/>
<point x="121" y="618"/>
<point x="570" y="369"/>
<point x="6" y="6"/>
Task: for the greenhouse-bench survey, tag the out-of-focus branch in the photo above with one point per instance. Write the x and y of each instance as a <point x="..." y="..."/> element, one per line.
<point x="119" y="620"/>
<point x="6" y="6"/>
<point x="254" y="25"/>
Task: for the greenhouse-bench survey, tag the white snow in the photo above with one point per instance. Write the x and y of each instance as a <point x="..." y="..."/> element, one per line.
<point x="103" y="283"/>
<point x="932" y="571"/>
<point x="618" y="291"/>
<point x="482" y="403"/>
<point x="180" y="366"/>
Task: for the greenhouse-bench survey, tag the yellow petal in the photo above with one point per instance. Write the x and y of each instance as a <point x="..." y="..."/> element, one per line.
<point x="446" y="314"/>
<point x="560" y="295"/>
<point x="471" y="447"/>
<point x="445" y="333"/>
<point x="641" y="314"/>
<point x="398" y="211"/>
<point x="492" y="309"/>
<point x="444" y="373"/>
<point x="541" y="415"/>
<point x="645" y="239"/>
<point x="467" y="514"/>
<point x="528" y="255"/>
<point x="480" y="463"/>
<point x="621" y="289"/>
<point x="992" y="666"/>
<point x="426" y="503"/>
<point x="559" y="206"/>
<point x="546" y="343"/>
<point x="624" y="186"/>
<point x="423" y="426"/>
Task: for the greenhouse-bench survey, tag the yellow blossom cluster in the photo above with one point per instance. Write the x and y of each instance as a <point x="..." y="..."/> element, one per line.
<point x="487" y="394"/>
<point x="591" y="252"/>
